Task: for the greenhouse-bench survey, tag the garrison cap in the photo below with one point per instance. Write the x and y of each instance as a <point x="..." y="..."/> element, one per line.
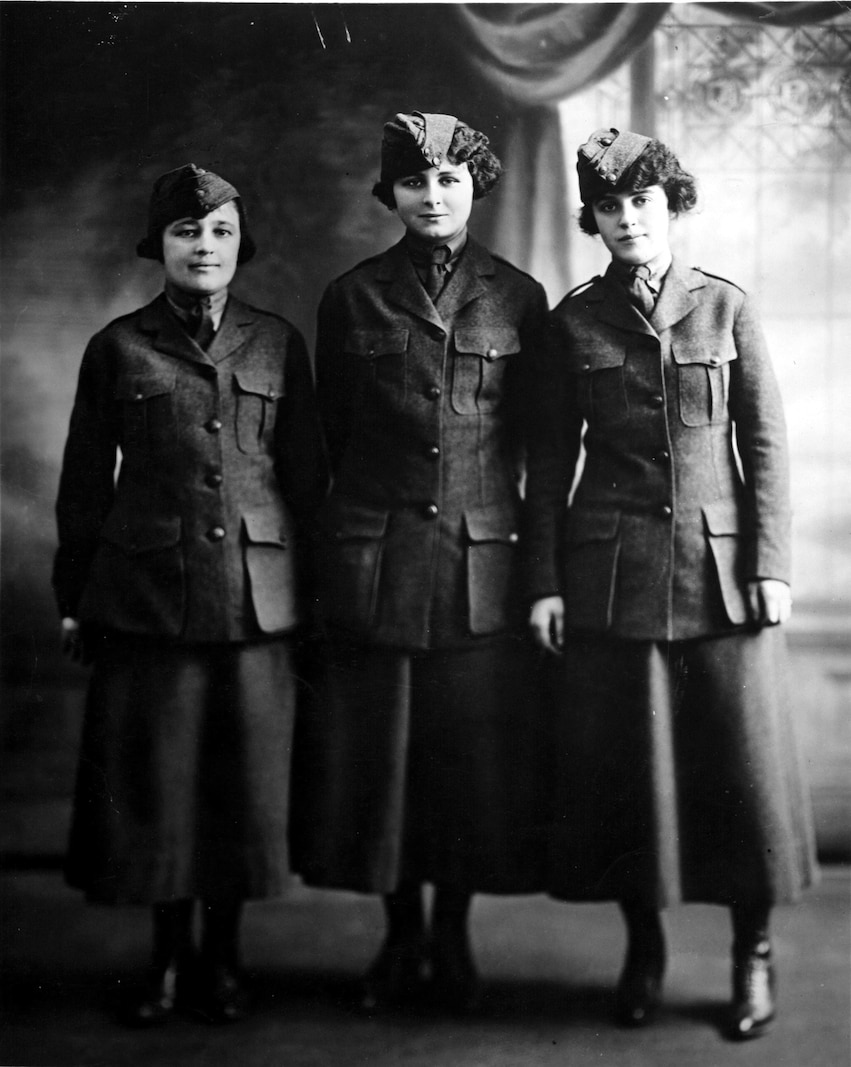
<point x="604" y="158"/>
<point x="189" y="192"/>
<point x="412" y="143"/>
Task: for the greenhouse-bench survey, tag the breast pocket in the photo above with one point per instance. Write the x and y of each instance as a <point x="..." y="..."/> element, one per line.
<point x="146" y="400"/>
<point x="482" y="356"/>
<point x="601" y="386"/>
<point x="257" y="395"/>
<point x="381" y="360"/>
<point x="703" y="381"/>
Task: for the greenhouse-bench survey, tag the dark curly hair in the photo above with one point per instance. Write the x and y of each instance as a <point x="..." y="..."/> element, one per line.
<point x="657" y="165"/>
<point x="467" y="146"/>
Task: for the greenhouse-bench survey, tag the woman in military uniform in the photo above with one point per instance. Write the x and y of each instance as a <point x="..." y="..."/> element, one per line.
<point x="663" y="585"/>
<point x="421" y="762"/>
<point x="179" y="578"/>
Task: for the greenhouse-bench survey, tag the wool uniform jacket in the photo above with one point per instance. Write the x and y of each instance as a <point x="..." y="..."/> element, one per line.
<point x="422" y="413"/>
<point x="666" y="526"/>
<point x="221" y="460"/>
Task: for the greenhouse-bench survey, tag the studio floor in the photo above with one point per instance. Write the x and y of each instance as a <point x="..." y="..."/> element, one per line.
<point x="547" y="971"/>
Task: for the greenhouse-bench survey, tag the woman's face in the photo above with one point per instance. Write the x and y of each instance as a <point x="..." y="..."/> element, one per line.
<point x="200" y="254"/>
<point x="634" y="225"/>
<point x="435" y="203"/>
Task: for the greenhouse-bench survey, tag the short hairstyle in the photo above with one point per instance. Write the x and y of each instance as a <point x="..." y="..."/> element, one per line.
<point x="657" y="165"/>
<point x="467" y="146"/>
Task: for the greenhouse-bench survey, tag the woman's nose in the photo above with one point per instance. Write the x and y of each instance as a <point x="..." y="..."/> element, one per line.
<point x="627" y="215"/>
<point x="432" y="194"/>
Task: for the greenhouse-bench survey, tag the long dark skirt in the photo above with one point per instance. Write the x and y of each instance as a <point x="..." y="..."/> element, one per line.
<point x="679" y="777"/>
<point x="427" y="767"/>
<point x="183" y="780"/>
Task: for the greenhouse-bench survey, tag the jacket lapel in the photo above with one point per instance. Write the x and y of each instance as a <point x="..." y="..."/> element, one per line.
<point x="611" y="305"/>
<point x="234" y="330"/>
<point x="168" y="335"/>
<point x="404" y="287"/>
<point x="407" y="291"/>
<point x="465" y="283"/>
<point x="677" y="298"/>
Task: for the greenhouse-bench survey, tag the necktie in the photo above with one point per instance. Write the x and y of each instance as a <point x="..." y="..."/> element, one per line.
<point x="639" y="291"/>
<point x="203" y="327"/>
<point x="436" y="273"/>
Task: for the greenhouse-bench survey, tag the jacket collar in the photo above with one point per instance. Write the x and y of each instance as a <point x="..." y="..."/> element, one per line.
<point x="611" y="304"/>
<point x="168" y="334"/>
<point x="406" y="290"/>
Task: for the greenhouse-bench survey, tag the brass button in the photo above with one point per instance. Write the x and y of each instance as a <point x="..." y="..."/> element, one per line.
<point x="513" y="538"/>
<point x="431" y="511"/>
<point x="433" y="392"/>
<point x="664" y="456"/>
<point x="492" y="353"/>
<point x="213" y="425"/>
<point x="216" y="533"/>
<point x="433" y="452"/>
<point x="665" y="511"/>
<point x="657" y="400"/>
<point x="214" y="479"/>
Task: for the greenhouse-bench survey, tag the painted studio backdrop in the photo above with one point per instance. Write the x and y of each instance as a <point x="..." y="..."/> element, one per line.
<point x="287" y="100"/>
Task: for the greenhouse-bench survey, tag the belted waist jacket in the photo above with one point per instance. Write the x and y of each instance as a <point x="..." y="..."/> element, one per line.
<point x="422" y="409"/>
<point x="684" y="494"/>
<point x="221" y="464"/>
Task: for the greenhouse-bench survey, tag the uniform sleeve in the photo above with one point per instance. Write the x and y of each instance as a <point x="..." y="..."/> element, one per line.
<point x="87" y="481"/>
<point x="334" y="376"/>
<point x="302" y="465"/>
<point x="553" y="440"/>
<point x="760" y="427"/>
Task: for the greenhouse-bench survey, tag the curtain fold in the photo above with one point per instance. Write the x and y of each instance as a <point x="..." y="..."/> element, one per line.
<point x="537" y="54"/>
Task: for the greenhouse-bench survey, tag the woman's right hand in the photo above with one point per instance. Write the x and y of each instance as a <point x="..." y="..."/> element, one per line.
<point x="71" y="639"/>
<point x="547" y="622"/>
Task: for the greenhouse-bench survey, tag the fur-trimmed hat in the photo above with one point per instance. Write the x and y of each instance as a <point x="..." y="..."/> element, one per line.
<point x="604" y="158"/>
<point x="190" y="192"/>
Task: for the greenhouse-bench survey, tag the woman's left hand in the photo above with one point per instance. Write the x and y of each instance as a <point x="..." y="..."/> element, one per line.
<point x="770" y="601"/>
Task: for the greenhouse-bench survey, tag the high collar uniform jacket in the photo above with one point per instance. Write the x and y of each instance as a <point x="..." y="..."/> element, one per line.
<point x="666" y="525"/>
<point x="220" y="457"/>
<point x="421" y="405"/>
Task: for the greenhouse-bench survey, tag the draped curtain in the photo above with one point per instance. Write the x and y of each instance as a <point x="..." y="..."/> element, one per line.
<point x="536" y="55"/>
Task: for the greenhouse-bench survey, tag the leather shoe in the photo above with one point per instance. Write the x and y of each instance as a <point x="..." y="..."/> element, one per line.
<point x="639" y="988"/>
<point x="455" y="983"/>
<point x="224" y="998"/>
<point x="396" y="976"/>
<point x="754" y="985"/>
<point x="156" y="1001"/>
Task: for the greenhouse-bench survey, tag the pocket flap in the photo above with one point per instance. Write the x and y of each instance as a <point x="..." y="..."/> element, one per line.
<point x="492" y="524"/>
<point x="266" y="528"/>
<point x="592" y="526"/>
<point x="344" y="522"/>
<point x="372" y="343"/>
<point x="490" y="342"/>
<point x="584" y="358"/>
<point x="258" y="382"/>
<point x="722" y="517"/>
<point x="145" y="384"/>
<point x="685" y="352"/>
<point x="136" y="537"/>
